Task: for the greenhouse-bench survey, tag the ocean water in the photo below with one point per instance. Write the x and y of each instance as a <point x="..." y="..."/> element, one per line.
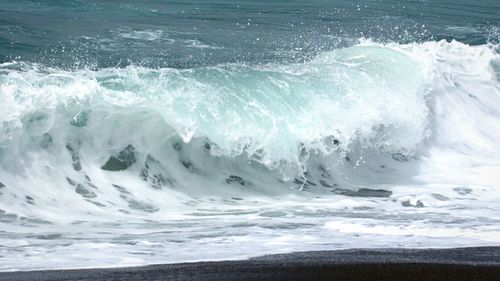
<point x="142" y="132"/>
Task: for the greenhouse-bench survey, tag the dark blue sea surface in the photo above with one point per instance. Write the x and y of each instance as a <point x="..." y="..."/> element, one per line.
<point x="161" y="33"/>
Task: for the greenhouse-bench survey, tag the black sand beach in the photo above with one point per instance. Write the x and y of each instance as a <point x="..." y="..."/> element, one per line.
<point x="481" y="263"/>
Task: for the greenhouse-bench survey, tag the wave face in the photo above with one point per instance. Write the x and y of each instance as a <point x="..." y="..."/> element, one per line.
<point x="386" y="141"/>
<point x="275" y="114"/>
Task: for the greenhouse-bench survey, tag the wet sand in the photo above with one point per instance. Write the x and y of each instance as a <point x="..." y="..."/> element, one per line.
<point x="481" y="263"/>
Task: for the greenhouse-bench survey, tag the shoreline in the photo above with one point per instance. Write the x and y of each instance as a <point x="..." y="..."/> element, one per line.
<point x="472" y="263"/>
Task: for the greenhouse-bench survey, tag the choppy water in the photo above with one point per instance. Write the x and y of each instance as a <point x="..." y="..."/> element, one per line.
<point x="147" y="132"/>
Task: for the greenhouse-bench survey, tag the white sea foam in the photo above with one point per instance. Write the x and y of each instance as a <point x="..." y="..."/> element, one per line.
<point x="148" y="35"/>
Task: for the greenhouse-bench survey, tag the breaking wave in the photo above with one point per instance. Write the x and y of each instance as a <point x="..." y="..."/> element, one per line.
<point x="358" y="139"/>
<point x="322" y="121"/>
